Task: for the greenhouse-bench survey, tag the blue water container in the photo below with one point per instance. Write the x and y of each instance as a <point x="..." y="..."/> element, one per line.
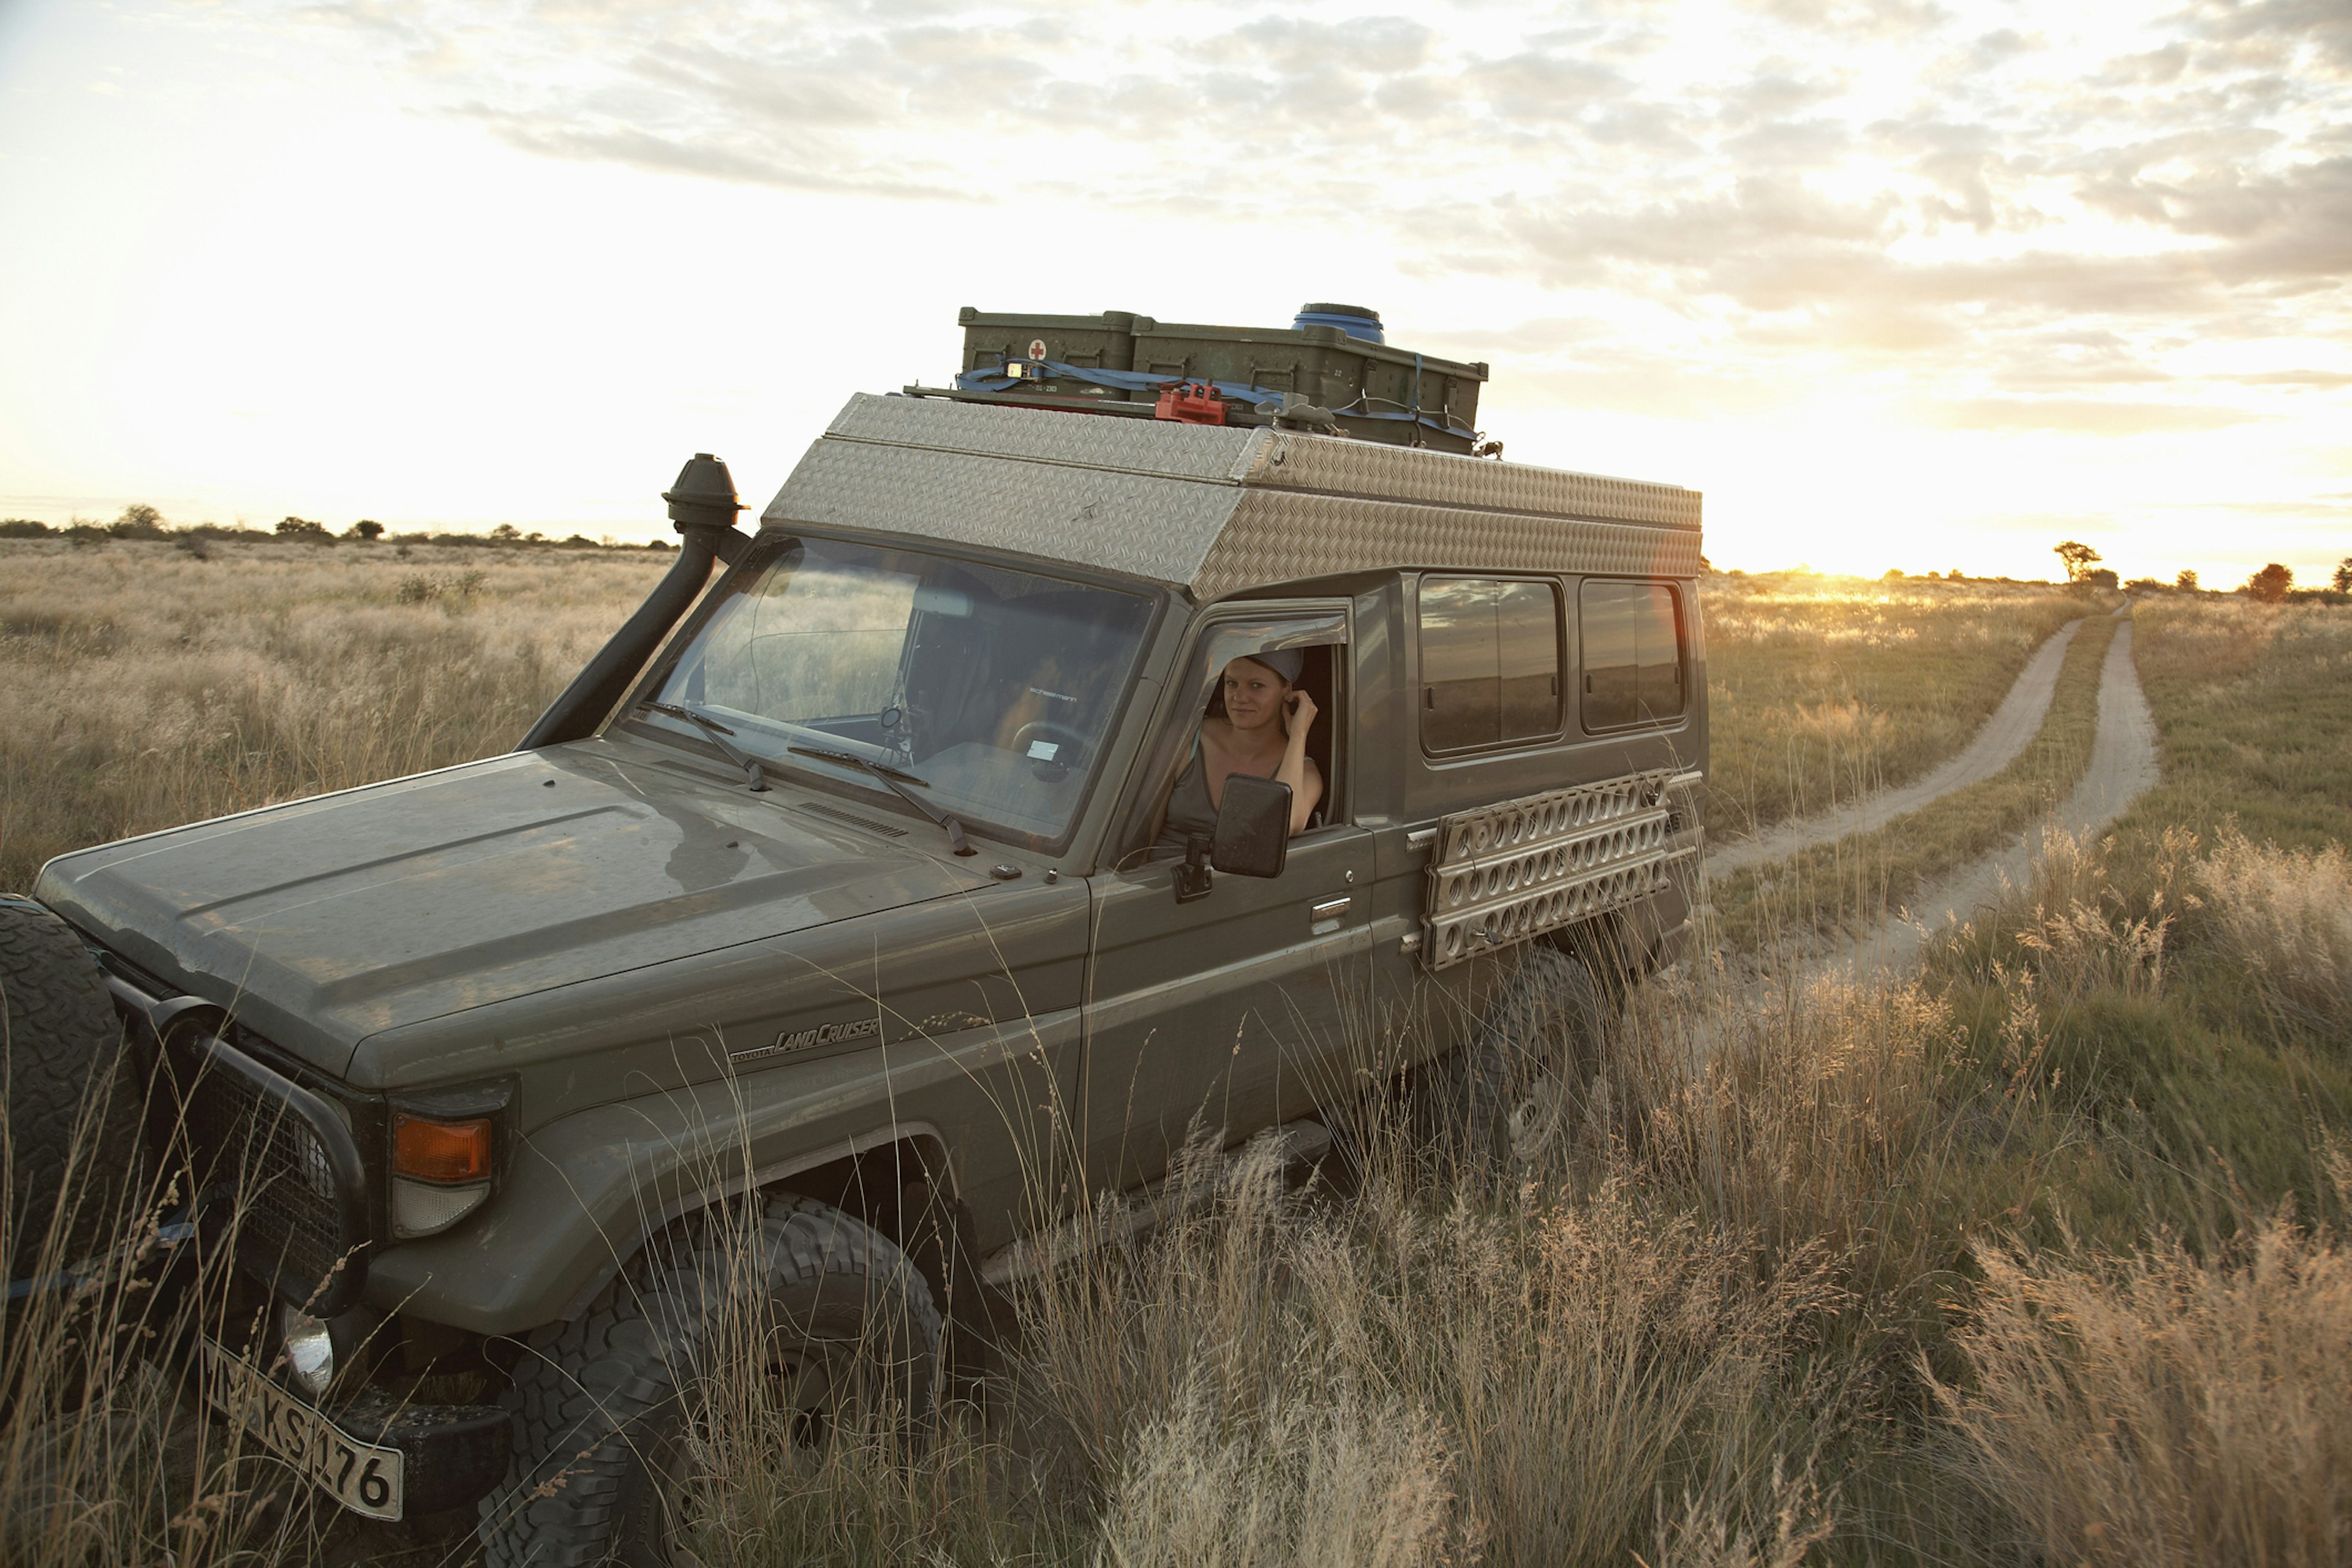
<point x="1352" y="320"/>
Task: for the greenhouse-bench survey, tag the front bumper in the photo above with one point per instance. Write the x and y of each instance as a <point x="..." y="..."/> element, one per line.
<point x="455" y="1453"/>
<point x="373" y="1452"/>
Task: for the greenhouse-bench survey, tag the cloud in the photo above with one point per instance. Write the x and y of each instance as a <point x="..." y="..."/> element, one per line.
<point x="2079" y="416"/>
<point x="2006" y="224"/>
<point x="2293" y="378"/>
<point x="2323" y="509"/>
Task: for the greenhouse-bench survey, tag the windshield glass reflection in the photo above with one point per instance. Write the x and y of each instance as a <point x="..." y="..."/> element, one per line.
<point x="994" y="687"/>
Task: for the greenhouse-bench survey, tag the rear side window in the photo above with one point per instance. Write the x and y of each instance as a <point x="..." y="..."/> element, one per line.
<point x="1490" y="666"/>
<point x="1633" y="654"/>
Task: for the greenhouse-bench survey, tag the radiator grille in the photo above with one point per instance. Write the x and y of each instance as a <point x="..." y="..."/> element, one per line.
<point x="300" y="1215"/>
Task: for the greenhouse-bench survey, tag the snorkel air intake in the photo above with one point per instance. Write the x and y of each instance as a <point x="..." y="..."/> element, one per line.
<point x="702" y="507"/>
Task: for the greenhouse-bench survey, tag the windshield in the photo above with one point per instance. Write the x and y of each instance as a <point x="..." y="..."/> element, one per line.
<point x="994" y="687"/>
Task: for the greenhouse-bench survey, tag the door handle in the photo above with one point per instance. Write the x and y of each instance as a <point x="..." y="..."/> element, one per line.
<point x="1328" y="909"/>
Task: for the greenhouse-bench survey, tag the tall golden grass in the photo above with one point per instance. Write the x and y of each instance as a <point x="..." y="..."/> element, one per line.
<point x="1823" y="689"/>
<point x="142" y="688"/>
<point x="1835" y="1273"/>
<point x="1687" y="1328"/>
<point x="2166" y="1410"/>
<point x="107" y="1455"/>
<point x="2286" y="915"/>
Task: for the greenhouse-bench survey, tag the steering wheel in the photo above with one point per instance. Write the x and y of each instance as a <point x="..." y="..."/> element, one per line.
<point x="1076" y="740"/>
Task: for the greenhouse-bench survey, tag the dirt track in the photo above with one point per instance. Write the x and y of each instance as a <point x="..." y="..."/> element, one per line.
<point x="2123" y="766"/>
<point x="2011" y="729"/>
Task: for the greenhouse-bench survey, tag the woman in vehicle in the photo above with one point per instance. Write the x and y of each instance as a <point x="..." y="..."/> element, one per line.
<point x="1263" y="734"/>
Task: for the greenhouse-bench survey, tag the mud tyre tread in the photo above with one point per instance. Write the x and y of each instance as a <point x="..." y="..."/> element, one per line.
<point x="1546" y="1021"/>
<point x="64" y="1043"/>
<point x="590" y="1398"/>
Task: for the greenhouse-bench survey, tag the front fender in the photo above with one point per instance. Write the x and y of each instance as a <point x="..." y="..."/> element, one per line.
<point x="584" y="1191"/>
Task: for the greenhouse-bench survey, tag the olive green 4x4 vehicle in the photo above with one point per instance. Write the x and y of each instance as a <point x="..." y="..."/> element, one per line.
<point x="832" y="886"/>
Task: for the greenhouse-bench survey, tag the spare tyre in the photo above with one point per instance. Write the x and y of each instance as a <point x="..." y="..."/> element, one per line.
<point x="71" y="1101"/>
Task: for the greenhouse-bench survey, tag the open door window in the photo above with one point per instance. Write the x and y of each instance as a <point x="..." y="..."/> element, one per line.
<point x="1319" y="631"/>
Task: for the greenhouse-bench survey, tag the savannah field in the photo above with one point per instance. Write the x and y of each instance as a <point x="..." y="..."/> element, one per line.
<point x="2032" y="1254"/>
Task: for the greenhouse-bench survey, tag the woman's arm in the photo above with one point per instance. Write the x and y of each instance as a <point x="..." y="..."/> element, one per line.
<point x="1298" y="769"/>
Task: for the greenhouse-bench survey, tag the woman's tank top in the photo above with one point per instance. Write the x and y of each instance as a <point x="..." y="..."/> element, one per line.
<point x="1189" y="807"/>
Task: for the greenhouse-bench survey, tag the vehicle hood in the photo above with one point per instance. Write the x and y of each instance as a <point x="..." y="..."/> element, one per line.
<point x="325" y="921"/>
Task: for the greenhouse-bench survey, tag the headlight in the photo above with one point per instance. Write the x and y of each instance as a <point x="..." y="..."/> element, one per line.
<point x="440" y="1172"/>
<point x="309" y="1349"/>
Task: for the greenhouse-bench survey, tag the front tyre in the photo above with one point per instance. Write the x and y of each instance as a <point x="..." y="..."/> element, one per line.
<point x="613" y="1412"/>
<point x="73" y="1101"/>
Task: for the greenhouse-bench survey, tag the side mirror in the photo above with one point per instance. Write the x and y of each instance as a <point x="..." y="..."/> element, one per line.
<point x="1253" y="827"/>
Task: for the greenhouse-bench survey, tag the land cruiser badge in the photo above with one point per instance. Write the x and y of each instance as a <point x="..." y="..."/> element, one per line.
<point x="803" y="1039"/>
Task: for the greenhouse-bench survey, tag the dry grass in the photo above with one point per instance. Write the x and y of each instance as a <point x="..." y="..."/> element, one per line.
<point x="2166" y="1410"/>
<point x="2085" y="934"/>
<point x="2286" y="915"/>
<point x="1955" y="1272"/>
<point x="1412" y="1372"/>
<point x="105" y="1457"/>
<point x="142" y="688"/>
<point x="1822" y="688"/>
<point x="2252" y="720"/>
<point x="1853" y="884"/>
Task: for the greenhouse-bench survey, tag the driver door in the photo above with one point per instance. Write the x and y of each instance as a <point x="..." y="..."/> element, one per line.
<point x="1233" y="1007"/>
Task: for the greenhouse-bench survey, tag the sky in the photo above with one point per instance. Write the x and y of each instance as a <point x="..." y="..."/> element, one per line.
<point x="1919" y="284"/>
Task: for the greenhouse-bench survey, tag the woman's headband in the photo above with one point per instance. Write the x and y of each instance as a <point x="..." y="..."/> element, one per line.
<point x="1285" y="662"/>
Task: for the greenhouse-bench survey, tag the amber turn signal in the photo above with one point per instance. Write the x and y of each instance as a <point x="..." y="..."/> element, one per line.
<point x="441" y="1150"/>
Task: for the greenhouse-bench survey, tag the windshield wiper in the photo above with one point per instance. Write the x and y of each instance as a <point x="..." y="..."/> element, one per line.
<point x="718" y="733"/>
<point x="892" y="776"/>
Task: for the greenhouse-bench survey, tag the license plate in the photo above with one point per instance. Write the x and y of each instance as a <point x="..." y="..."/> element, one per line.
<point x="363" y="1476"/>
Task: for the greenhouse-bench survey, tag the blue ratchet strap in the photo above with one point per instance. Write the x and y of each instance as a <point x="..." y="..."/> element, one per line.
<point x="987" y="379"/>
<point x="1124" y="380"/>
<point x="1424" y="420"/>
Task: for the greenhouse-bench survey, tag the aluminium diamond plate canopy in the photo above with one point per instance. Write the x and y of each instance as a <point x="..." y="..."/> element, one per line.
<point x="1213" y="510"/>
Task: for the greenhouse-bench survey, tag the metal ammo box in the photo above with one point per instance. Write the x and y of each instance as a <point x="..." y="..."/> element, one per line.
<point x="1332" y="356"/>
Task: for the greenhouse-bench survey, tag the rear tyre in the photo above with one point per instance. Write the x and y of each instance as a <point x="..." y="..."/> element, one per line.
<point x="611" y="1410"/>
<point x="72" y="1099"/>
<point x="1540" y="1042"/>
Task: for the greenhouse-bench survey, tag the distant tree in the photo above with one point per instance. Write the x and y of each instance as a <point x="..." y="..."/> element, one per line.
<point x="507" y="533"/>
<point x="2078" y="558"/>
<point x="2143" y="585"/>
<point x="2187" y="581"/>
<point x="138" y="522"/>
<point x="2343" y="579"/>
<point x="24" y="528"/>
<point x="303" y="529"/>
<point x="2098" y="577"/>
<point x="1894" y="574"/>
<point x="2270" y="584"/>
<point x="366" y="529"/>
